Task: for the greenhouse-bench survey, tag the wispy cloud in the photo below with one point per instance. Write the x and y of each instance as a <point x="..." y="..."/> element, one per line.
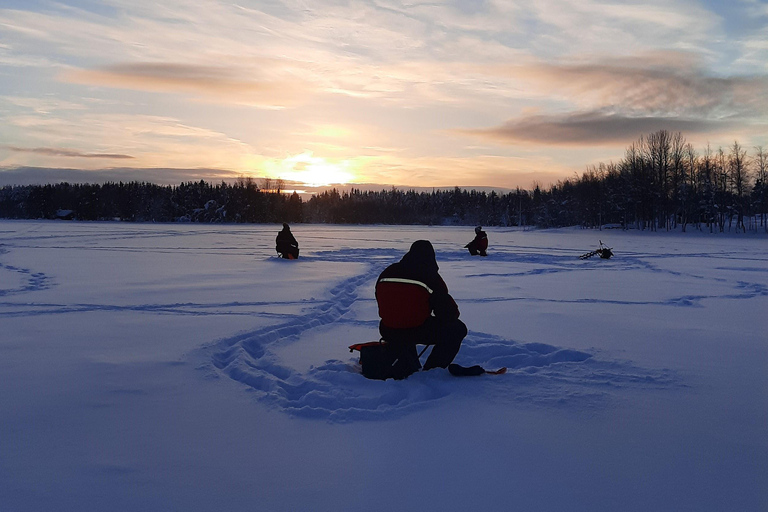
<point x="615" y="101"/>
<point x="66" y="153"/>
<point x="589" y="128"/>
<point x="223" y="83"/>
<point x="668" y="83"/>
<point x="151" y="141"/>
<point x="508" y="172"/>
<point x="387" y="79"/>
<point x="27" y="175"/>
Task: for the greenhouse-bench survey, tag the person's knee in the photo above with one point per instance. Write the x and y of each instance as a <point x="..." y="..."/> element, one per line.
<point x="453" y="333"/>
<point x="460" y="329"/>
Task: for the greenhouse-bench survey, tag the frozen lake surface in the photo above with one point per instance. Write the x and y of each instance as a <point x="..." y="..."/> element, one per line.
<point x="185" y="367"/>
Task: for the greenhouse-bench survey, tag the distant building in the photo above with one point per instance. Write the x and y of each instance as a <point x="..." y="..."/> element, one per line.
<point x="64" y="214"/>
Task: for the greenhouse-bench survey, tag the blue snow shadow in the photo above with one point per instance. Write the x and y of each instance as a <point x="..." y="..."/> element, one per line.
<point x="31" y="281"/>
<point x="538" y="375"/>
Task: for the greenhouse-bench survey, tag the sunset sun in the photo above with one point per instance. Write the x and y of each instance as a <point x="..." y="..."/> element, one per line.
<point x="314" y="171"/>
<point x="324" y="173"/>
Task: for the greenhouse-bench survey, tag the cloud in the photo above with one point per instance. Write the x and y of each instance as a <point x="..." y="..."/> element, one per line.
<point x="174" y="176"/>
<point x="66" y="153"/>
<point x="43" y="106"/>
<point x="470" y="171"/>
<point x="161" y="176"/>
<point x="220" y="83"/>
<point x="662" y="83"/>
<point x="395" y="74"/>
<point x="83" y="138"/>
<point x="590" y="128"/>
<point x="614" y="101"/>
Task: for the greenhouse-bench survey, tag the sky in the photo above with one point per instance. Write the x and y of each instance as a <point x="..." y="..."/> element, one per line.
<point x="498" y="93"/>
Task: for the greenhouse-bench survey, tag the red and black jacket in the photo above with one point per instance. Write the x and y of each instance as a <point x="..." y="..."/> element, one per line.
<point x="480" y="242"/>
<point x="410" y="291"/>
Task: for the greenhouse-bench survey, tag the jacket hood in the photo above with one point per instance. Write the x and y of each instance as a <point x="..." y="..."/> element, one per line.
<point x="421" y="256"/>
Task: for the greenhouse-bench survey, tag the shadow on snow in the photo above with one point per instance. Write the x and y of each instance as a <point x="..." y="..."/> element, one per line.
<point x="539" y="374"/>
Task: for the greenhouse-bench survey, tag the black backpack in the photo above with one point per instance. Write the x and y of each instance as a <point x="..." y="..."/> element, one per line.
<point x="381" y="362"/>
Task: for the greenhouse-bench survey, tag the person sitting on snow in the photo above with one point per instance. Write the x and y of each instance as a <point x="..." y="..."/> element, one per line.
<point x="416" y="308"/>
<point x="479" y="244"/>
<point x="286" y="245"/>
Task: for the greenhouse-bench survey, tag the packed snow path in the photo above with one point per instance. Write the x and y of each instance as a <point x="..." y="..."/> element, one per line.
<point x="335" y="389"/>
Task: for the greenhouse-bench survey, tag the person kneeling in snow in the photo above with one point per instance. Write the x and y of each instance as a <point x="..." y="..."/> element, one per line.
<point x="416" y="308"/>
<point x="286" y="245"/>
<point x="479" y="244"/>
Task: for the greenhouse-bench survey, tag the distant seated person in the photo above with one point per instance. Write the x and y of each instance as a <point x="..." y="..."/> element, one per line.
<point x="479" y="244"/>
<point x="286" y="245"/>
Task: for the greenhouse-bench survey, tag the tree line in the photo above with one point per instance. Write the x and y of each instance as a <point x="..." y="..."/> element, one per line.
<point x="243" y="201"/>
<point x="661" y="183"/>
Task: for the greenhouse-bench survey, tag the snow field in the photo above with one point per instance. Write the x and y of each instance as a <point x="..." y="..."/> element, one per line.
<point x="184" y="367"/>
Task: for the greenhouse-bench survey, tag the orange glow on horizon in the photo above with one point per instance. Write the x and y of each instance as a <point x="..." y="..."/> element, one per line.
<point x="311" y="170"/>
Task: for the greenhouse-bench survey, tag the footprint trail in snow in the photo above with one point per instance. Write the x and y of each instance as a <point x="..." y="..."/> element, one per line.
<point x="334" y="390"/>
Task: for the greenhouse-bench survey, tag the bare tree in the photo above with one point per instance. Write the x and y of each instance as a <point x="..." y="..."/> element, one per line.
<point x="656" y="151"/>
<point x="706" y="173"/>
<point x="677" y="176"/>
<point x="760" y="163"/>
<point x="738" y="172"/>
<point x="720" y="175"/>
<point x="642" y="160"/>
<point x="689" y="189"/>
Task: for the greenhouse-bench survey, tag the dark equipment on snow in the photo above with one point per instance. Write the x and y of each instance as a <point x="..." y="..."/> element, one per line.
<point x="471" y="371"/>
<point x="380" y="361"/>
<point x="603" y="251"/>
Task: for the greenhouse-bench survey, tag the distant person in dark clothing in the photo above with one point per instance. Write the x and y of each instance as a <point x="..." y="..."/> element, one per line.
<point x="416" y="308"/>
<point x="479" y="244"/>
<point x="286" y="245"/>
